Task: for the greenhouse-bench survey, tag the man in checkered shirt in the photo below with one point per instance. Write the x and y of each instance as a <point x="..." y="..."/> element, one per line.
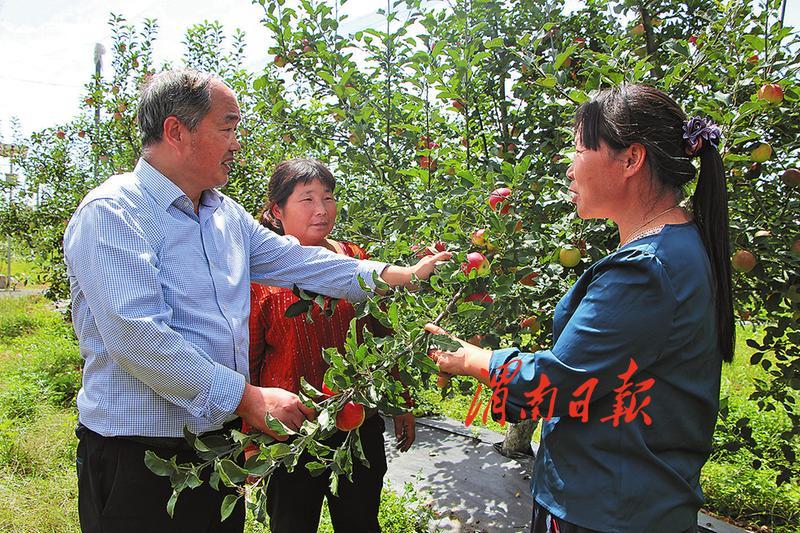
<point x="159" y="263"/>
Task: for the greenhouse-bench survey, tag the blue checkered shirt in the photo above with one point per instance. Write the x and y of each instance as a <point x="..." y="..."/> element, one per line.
<point x="161" y="298"/>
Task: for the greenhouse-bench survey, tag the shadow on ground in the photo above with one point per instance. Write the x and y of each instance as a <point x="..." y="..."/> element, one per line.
<point x="473" y="487"/>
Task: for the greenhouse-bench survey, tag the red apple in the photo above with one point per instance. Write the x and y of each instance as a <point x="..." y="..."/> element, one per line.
<point x="795" y="250"/>
<point x="791" y="177"/>
<point x="117" y="115"/>
<point x="579" y="40"/>
<point x="327" y="392"/>
<point x="60" y="134"/>
<point x="427" y="162"/>
<point x="279" y="61"/>
<point x="115" y="89"/>
<point x="464" y="142"/>
<point x="478" y="237"/>
<point x="424" y="251"/>
<point x="638" y="29"/>
<point x="476" y="261"/>
<point x="753" y="59"/>
<point x="82" y="134"/>
<point x="479" y="298"/>
<point x="122" y="107"/>
<point x="754" y="171"/>
<point x="458" y="104"/>
<point x="287" y="138"/>
<point x="569" y="257"/>
<point x="771" y="92"/>
<point x="692" y="39"/>
<point x="498" y="197"/>
<point x="761" y="153"/>
<point x="350" y="417"/>
<point x="531" y="322"/>
<point x="743" y="261"/>
<point x="89" y="101"/>
<point x="355" y="139"/>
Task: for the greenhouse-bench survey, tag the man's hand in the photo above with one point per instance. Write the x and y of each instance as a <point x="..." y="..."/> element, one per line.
<point x="397" y="275"/>
<point x="404" y="431"/>
<point x="282" y="404"/>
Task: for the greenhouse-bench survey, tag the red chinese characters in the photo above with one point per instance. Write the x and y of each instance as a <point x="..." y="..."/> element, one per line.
<point x="629" y="401"/>
<point x="625" y="405"/>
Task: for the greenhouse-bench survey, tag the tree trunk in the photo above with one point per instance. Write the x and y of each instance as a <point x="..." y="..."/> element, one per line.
<point x="518" y="439"/>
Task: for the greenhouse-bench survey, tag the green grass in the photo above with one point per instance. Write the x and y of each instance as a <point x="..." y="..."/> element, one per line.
<point x="24" y="270"/>
<point x="732" y="486"/>
<point x="39" y="377"/>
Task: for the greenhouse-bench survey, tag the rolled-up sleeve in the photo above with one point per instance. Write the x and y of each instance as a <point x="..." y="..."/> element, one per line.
<point x="626" y="313"/>
<point x="117" y="272"/>
<point x="281" y="261"/>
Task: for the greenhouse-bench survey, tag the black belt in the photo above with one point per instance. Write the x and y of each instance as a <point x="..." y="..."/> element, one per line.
<point x="174" y="443"/>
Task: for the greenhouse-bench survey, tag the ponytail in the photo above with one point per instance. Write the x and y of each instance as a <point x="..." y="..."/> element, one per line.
<point x="710" y="206"/>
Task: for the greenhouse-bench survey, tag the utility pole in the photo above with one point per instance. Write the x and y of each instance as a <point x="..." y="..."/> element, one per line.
<point x="99" y="50"/>
<point x="10" y="151"/>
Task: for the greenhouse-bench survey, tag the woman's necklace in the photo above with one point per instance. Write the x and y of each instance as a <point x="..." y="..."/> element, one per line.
<point x="635" y="235"/>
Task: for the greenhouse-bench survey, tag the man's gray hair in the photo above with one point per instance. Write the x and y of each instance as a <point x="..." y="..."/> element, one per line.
<point x="184" y="94"/>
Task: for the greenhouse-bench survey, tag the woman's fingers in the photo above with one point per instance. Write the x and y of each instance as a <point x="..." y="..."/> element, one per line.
<point x="435" y="329"/>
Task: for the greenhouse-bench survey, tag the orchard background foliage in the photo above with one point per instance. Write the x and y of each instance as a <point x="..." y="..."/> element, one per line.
<point x="423" y="117"/>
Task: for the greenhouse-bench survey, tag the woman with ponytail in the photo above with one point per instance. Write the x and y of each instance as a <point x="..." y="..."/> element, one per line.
<point x="629" y="391"/>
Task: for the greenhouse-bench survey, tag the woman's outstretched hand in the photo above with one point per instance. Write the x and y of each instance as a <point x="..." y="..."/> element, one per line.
<point x="469" y="360"/>
<point x="397" y="276"/>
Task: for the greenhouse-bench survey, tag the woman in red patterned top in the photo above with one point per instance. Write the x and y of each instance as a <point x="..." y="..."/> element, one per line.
<point x="300" y="203"/>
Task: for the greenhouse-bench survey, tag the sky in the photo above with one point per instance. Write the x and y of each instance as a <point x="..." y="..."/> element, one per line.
<point x="47" y="46"/>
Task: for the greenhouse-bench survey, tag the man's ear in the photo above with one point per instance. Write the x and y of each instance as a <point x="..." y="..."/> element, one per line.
<point x="635" y="157"/>
<point x="174" y="133"/>
<point x="276" y="212"/>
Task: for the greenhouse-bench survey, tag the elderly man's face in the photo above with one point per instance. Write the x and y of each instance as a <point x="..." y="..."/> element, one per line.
<point x="213" y="141"/>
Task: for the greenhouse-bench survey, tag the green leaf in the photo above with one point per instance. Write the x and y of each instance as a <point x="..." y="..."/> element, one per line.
<point x="173" y="499"/>
<point x="279" y="450"/>
<point x="315" y="468"/>
<point x="309" y="389"/>
<point x="493" y="43"/>
<point x="297" y="308"/>
<point x="260" y="83"/>
<point x="334" y="483"/>
<point x="277" y="426"/>
<point x="231" y="470"/>
<point x="194" y="441"/>
<point x="394" y="316"/>
<point x="228" y="505"/>
<point x="157" y="465"/>
<point x="359" y="449"/>
<point x="548" y="81"/>
<point x="560" y="58"/>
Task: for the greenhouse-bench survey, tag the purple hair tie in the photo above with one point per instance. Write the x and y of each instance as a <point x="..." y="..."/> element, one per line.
<point x="696" y="130"/>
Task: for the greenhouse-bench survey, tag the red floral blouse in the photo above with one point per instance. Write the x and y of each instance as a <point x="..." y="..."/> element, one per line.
<point x="284" y="349"/>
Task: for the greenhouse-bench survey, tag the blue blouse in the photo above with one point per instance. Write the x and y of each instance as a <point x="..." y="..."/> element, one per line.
<point x="650" y="301"/>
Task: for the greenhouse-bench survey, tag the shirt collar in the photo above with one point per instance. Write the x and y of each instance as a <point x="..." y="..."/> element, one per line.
<point x="165" y="191"/>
